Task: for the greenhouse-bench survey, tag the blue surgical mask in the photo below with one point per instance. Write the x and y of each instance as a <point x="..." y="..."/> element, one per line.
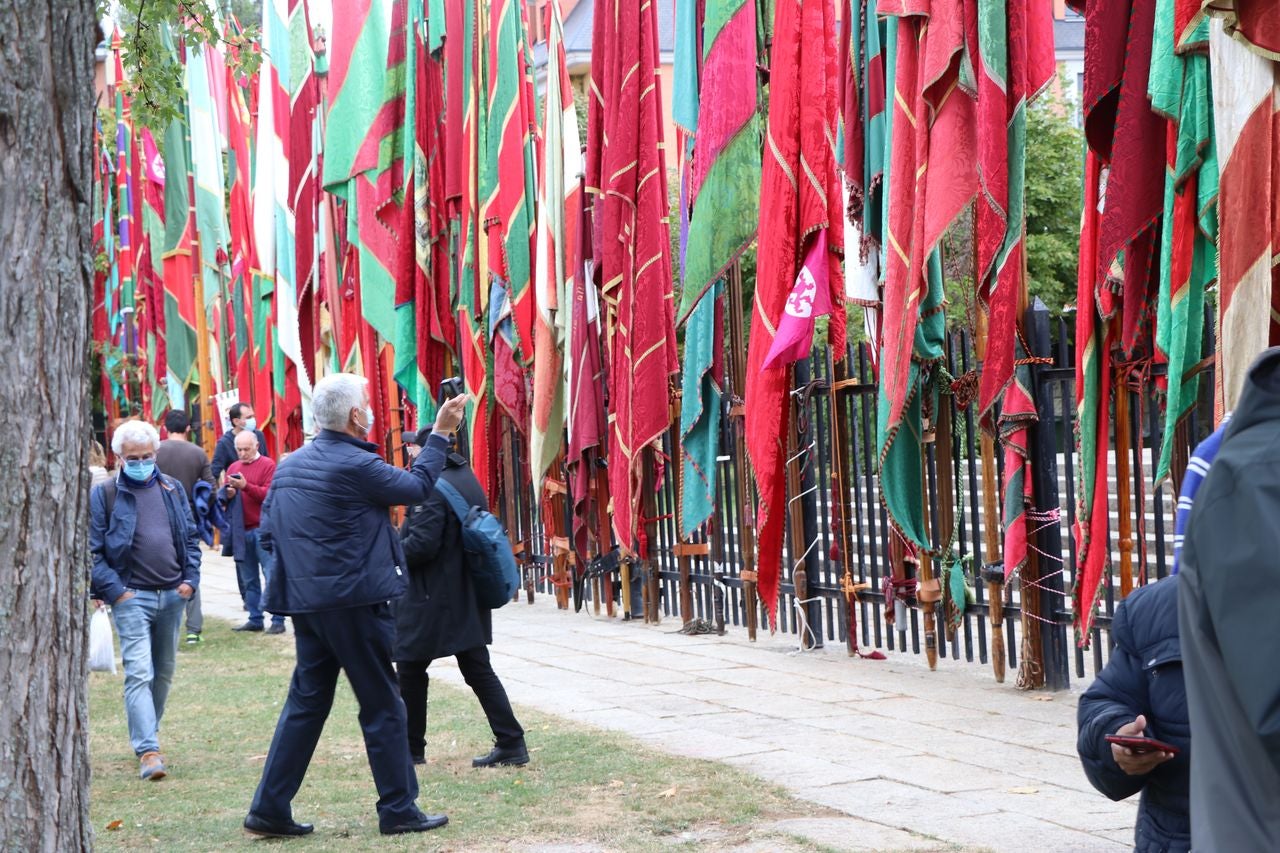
<point x="251" y="424"/>
<point x="140" y="470"/>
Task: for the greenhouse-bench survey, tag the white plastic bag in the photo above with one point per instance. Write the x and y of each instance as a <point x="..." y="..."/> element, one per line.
<point x="102" y="652"/>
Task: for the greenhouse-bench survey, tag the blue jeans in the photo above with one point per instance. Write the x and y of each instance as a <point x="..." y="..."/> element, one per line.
<point x="247" y="572"/>
<point x="148" y="625"/>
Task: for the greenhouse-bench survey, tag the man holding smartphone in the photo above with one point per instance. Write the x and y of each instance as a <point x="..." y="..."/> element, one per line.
<point x="1140" y="700"/>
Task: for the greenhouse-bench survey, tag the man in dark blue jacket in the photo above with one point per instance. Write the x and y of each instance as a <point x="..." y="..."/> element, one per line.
<point x="224" y="452"/>
<point x="146" y="565"/>
<point x="338" y="564"/>
<point x="1142" y="692"/>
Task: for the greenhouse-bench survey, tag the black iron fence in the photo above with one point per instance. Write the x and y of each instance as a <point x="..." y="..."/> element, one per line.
<point x="703" y="579"/>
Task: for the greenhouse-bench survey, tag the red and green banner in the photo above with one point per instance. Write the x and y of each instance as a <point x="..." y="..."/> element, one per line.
<point x="800" y="196"/>
<point x="627" y="174"/>
<point x="555" y="275"/>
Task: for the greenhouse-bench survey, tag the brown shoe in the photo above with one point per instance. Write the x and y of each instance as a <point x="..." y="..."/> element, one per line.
<point x="151" y="766"/>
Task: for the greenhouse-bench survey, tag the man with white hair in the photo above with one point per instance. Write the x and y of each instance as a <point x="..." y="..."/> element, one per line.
<point x="337" y="564"/>
<point x="146" y="565"/>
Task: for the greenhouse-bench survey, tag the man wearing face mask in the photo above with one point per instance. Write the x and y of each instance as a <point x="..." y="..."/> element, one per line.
<point x="337" y="562"/>
<point x="242" y="420"/>
<point x="146" y="565"/>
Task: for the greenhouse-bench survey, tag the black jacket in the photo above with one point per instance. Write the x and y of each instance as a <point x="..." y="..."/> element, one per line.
<point x="326" y="524"/>
<point x="439" y="615"/>
<point x="1229" y="616"/>
<point x="224" y="452"/>
<point x="1144" y="676"/>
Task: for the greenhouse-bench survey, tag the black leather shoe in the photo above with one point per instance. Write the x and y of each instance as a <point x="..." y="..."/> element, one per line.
<point x="275" y="629"/>
<point x="267" y="828"/>
<point x="423" y="823"/>
<point x="248" y="626"/>
<point x="418" y="759"/>
<point x="514" y="756"/>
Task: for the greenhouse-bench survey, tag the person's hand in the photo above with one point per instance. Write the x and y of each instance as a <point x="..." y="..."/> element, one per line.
<point x="128" y="594"/>
<point x="1136" y="763"/>
<point x="98" y="603"/>
<point x="238" y="481"/>
<point x="451" y="413"/>
<point x="413" y="450"/>
<point x="186" y="590"/>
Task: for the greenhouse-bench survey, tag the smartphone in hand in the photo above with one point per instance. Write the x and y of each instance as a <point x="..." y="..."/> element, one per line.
<point x="1142" y="745"/>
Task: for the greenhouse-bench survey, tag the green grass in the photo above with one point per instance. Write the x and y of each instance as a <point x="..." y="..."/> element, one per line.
<point x="585" y="788"/>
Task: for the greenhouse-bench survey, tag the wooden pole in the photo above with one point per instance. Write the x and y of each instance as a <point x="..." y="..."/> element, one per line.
<point x="928" y="589"/>
<point x="737" y="417"/>
<point x="991" y="544"/>
<point x="840" y="479"/>
<point x="945" y="479"/>
<point x="208" y="407"/>
<point x="1124" y="484"/>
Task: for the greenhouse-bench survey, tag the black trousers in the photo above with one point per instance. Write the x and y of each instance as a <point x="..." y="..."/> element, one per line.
<point x="357" y="641"/>
<point x="478" y="672"/>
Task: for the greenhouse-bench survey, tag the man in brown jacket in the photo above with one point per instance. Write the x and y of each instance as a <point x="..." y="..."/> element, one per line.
<point x="187" y="463"/>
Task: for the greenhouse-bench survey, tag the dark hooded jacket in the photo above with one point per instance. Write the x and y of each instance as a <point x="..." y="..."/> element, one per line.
<point x="1228" y="612"/>
<point x="439" y="615"/>
<point x="1144" y="676"/>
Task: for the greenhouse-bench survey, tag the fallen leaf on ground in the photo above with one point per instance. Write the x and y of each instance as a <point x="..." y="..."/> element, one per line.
<point x="115" y="824"/>
<point x="1026" y="789"/>
<point x="615" y="783"/>
<point x="1043" y="698"/>
<point x="668" y="794"/>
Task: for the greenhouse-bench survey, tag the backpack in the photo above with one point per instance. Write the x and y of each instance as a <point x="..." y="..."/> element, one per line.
<point x="488" y="557"/>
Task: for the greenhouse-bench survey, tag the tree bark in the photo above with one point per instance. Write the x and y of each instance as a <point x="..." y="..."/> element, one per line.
<point x="46" y="124"/>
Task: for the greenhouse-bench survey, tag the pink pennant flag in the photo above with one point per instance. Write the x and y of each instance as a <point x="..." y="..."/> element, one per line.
<point x="809" y="300"/>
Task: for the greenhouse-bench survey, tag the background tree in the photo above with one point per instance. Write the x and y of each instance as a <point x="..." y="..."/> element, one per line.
<point x="46" y="268"/>
<point x="1055" y="187"/>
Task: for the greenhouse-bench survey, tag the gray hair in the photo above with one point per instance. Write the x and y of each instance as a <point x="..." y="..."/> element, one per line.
<point x="334" y="397"/>
<point x="134" y="432"/>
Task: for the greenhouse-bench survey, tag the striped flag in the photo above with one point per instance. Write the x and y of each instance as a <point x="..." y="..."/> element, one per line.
<point x="1179" y="90"/>
<point x="1246" y="117"/>
<point x="1015" y="51"/>
<point x="933" y="178"/>
<point x="274" y="227"/>
<point x="508" y="180"/>
<point x="179" y="241"/>
<point x="555" y="277"/>
<point x="210" y="203"/>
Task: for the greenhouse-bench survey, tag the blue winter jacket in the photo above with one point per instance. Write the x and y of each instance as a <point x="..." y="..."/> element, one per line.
<point x="1144" y="676"/>
<point x="111" y="539"/>
<point x="326" y="523"/>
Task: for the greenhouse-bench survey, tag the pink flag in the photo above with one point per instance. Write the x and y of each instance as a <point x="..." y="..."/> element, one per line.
<point x="809" y="300"/>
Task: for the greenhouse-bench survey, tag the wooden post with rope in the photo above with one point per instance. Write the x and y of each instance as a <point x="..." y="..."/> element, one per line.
<point x="840" y="479"/>
<point x="944" y="479"/>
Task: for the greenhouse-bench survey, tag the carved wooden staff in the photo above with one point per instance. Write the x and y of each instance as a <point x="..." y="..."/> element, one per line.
<point x="684" y="551"/>
<point x="945" y="479"/>
<point x="746" y="528"/>
<point x="928" y="588"/>
<point x="840" y="477"/>
<point x="991" y="546"/>
<point x="1124" y="483"/>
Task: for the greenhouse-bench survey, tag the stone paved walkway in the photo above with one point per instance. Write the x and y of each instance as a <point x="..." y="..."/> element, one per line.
<point x="917" y="760"/>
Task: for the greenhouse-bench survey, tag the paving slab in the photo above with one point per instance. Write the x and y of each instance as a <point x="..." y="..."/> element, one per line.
<point x="914" y="759"/>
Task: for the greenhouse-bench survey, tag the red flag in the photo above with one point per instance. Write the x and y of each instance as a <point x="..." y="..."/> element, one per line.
<point x="799" y="194"/>
<point x="626" y="160"/>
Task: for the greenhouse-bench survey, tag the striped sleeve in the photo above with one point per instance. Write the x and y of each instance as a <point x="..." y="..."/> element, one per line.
<point x="1197" y="470"/>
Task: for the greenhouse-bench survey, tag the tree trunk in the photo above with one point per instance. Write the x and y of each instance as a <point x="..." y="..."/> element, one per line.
<point x="46" y="123"/>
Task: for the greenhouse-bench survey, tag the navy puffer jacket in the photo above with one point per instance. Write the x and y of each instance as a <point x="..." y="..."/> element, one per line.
<point x="1144" y="676"/>
<point x="326" y="523"/>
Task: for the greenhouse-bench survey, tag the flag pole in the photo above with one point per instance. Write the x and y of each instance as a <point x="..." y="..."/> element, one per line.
<point x="737" y="416"/>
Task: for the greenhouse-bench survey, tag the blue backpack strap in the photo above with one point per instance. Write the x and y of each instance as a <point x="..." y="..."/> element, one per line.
<point x="459" y="505"/>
